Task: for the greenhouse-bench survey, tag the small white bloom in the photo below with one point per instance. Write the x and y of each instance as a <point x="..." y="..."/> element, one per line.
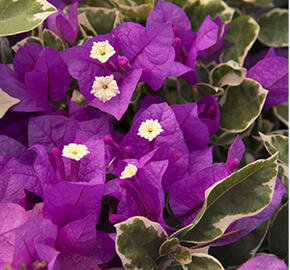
<point x="150" y="129"/>
<point x="102" y="51"/>
<point x="104" y="88"/>
<point x="75" y="151"/>
<point x="129" y="171"/>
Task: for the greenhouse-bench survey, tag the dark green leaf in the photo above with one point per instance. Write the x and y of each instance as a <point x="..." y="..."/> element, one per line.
<point x="241" y="105"/>
<point x="202" y="73"/>
<point x="242" y="194"/>
<point x="101" y="20"/>
<point x="197" y="10"/>
<point x="274" y="28"/>
<point x="243" y="32"/>
<point x="169" y="246"/>
<point x="227" y="74"/>
<point x="30" y="39"/>
<point x="278" y="234"/>
<point x="138" y="242"/>
<point x="203" y="262"/>
<point x="205" y="89"/>
<point x="6" y="54"/>
<point x="276" y="143"/>
<point x="50" y="39"/>
<point x="239" y="252"/>
<point x="135" y="10"/>
<point x="281" y="112"/>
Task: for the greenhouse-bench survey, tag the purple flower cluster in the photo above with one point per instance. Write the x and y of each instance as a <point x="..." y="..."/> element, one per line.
<point x="64" y="162"/>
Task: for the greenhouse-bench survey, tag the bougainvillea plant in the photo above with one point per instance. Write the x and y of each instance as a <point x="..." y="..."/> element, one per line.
<point x="143" y="134"/>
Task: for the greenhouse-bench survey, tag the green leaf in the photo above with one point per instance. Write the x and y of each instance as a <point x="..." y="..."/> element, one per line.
<point x="281" y="112"/>
<point x="197" y="10"/>
<point x="278" y="234"/>
<point x="227" y="74"/>
<point x="138" y="242"/>
<point x="97" y="3"/>
<point x="180" y="3"/>
<point x="169" y="246"/>
<point x="205" y="89"/>
<point x="283" y="174"/>
<point x="6" y="102"/>
<point x="199" y="261"/>
<point x="50" y="39"/>
<point x="99" y="20"/>
<point x="135" y="10"/>
<point x="29" y="39"/>
<point x="239" y="252"/>
<point x="244" y="4"/>
<point x="6" y="55"/>
<point x="174" y="266"/>
<point x="21" y="16"/>
<point x="225" y="138"/>
<point x="202" y="261"/>
<point x="183" y="255"/>
<point x="274" y="28"/>
<point x="243" y="32"/>
<point x="241" y="105"/>
<point x="202" y="73"/>
<point x="244" y="193"/>
<point x="263" y="3"/>
<point x="276" y="143"/>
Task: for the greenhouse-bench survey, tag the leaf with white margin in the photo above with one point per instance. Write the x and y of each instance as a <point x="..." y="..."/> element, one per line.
<point x="183" y="255"/>
<point x="6" y="102"/>
<point x="180" y="3"/>
<point x="193" y="93"/>
<point x="97" y="19"/>
<point x="17" y="16"/>
<point x="243" y="32"/>
<point x="138" y="241"/>
<point x="281" y="112"/>
<point x="205" y="89"/>
<point x="202" y="261"/>
<point x="136" y="11"/>
<point x="227" y="74"/>
<point x="169" y="246"/>
<point x="278" y="233"/>
<point x="283" y="174"/>
<point x="6" y="55"/>
<point x="199" y="261"/>
<point x="276" y="143"/>
<point x="244" y="193"/>
<point x="50" y="39"/>
<point x="22" y="42"/>
<point x="197" y="10"/>
<point x="242" y="250"/>
<point x="261" y="3"/>
<point x="274" y="28"/>
<point x="241" y="105"/>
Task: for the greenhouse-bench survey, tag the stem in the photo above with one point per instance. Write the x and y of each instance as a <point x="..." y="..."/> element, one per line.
<point x="223" y="236"/>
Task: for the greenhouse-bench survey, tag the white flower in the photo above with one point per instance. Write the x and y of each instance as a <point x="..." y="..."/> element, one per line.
<point x="150" y="129"/>
<point x="102" y="51"/>
<point x="104" y="88"/>
<point x="129" y="171"/>
<point x="75" y="151"/>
